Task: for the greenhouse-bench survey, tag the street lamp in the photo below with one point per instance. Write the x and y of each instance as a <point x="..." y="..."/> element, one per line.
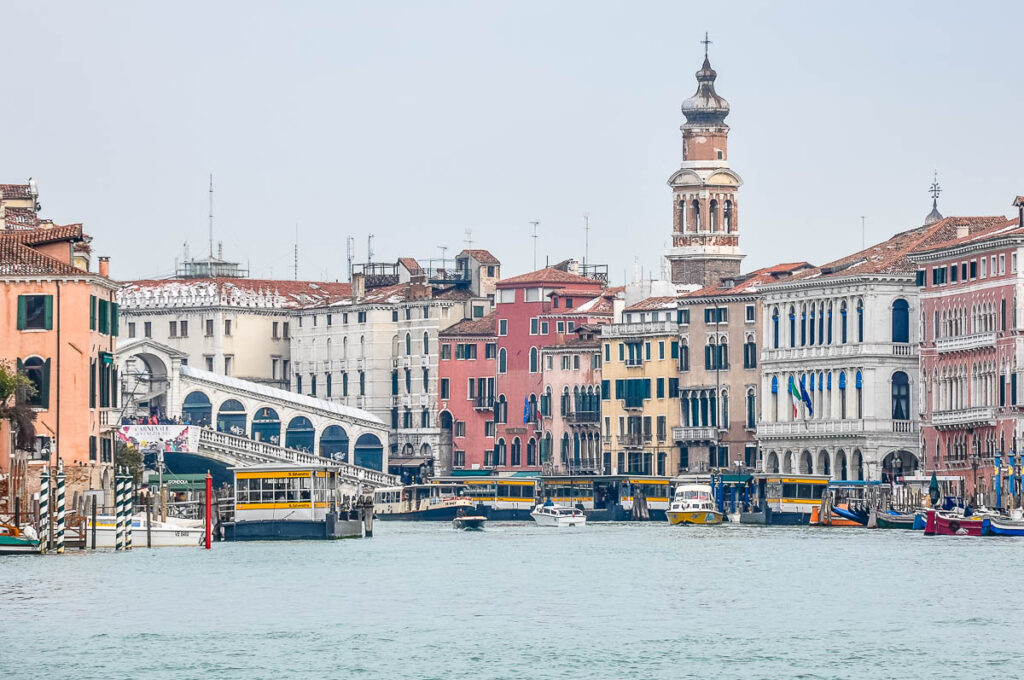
<point x="975" y="462"/>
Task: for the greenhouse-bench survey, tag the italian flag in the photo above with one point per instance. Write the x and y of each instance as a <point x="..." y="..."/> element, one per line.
<point x="795" y="393"/>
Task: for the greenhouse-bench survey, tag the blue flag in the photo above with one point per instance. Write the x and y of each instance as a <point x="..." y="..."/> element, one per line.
<point x="806" y="398"/>
<point x="526" y="409"/>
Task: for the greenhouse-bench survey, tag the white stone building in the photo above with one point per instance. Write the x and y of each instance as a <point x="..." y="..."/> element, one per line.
<point x="848" y="333"/>
<point x="377" y="349"/>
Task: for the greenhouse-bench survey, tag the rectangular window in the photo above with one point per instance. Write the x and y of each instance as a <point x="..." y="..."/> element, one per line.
<point x="274" y="330"/>
<point x="445" y="388"/>
<point x="147" y="329"/>
<point x="330" y="319"/>
<point x="544" y="328"/>
<point x="661" y="388"/>
<point x="446" y="351"/>
<point x="490" y="350"/>
<point x="183" y="328"/>
<point x="131" y="329"/>
<point x="502" y="326"/>
<point x="227" y="327"/>
<point x="92" y="312"/>
<point x="954" y="271"/>
<point x="984" y="268"/>
<point x="920" y="278"/>
<point x="360" y="317"/>
<point x="209" y="328"/>
<point x="684" y="317"/>
<point x="1002" y="264"/>
<point x="534" y="326"/>
<point x="173" y="329"/>
<point x="974" y="269"/>
<point x="560" y="328"/>
<point x="751" y="313"/>
<point x="459" y="459"/>
<point x="228" y="361"/>
<point x="209" y="364"/>
<point x="460" y="428"/>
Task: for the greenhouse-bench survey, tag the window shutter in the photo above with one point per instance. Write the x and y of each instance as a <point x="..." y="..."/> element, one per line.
<point x="114" y="321"/>
<point x="647" y="388"/>
<point x="44" y="391"/>
<point x="618" y="389"/>
<point x="605" y="391"/>
<point x="48" y="312"/>
<point x="114" y="389"/>
<point x="661" y="388"/>
<point x="92" y="384"/>
<point x="622" y="352"/>
<point x="673" y="388"/>
<point x="92" y="312"/>
<point x="21" y="313"/>
<point x="675" y="349"/>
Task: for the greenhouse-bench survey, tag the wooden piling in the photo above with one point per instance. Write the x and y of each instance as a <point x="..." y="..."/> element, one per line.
<point x="94" y="522"/>
<point x="149" y="522"/>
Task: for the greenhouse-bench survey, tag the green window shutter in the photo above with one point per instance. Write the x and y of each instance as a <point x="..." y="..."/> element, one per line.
<point x="113" y="319"/>
<point x="48" y="312"/>
<point x="647" y="388"/>
<point x="661" y="388"/>
<point x="675" y="349"/>
<point x="104" y="326"/>
<point x="92" y="384"/>
<point x="114" y="387"/>
<point x="92" y="312"/>
<point x="21" y="313"/>
<point x="622" y="352"/>
<point x="44" y="392"/>
<point x="606" y="389"/>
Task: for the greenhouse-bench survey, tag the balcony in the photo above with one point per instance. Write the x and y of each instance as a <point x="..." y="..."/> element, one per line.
<point x="583" y="417"/>
<point x="965" y="343"/>
<point x="634" y="440"/>
<point x="695" y="434"/>
<point x="483" y="403"/>
<point x="805" y="428"/>
<point x="853" y="349"/>
<point x="964" y="417"/>
<point x="634" y="330"/>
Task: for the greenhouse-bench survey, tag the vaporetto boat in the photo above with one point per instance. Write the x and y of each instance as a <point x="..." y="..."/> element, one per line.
<point x="422" y="502"/>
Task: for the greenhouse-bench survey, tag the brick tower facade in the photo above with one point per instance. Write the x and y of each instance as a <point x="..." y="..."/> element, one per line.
<point x="705" y="231"/>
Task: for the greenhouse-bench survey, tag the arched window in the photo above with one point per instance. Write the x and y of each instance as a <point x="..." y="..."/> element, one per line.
<point x="499" y="451"/>
<point x="531" y="451"/>
<point x="344" y="348"/>
<point x="502" y="360"/>
<point x="803" y="325"/>
<point x="330" y="345"/>
<point x="900" y="321"/>
<point x="362" y="383"/>
<point x="696" y="215"/>
<point x="408" y="343"/>
<point x="810" y="327"/>
<point x="565" y="406"/>
<point x="792" y="327"/>
<point x="517" y="452"/>
<point x="900" y="396"/>
<point x="682" y="215"/>
<point x="842" y="394"/>
<point x="564" y="449"/>
<point x="751" y="409"/>
<point x="426" y="342"/>
<point x="829" y="323"/>
<point x="713" y="215"/>
<point x="842" y="323"/>
<point x="727" y="217"/>
<point x="362" y="346"/>
<point x="534" y="363"/>
<point x="501" y="410"/>
<point x="775" y="328"/>
<point x="860" y="321"/>
<point x="38" y="373"/>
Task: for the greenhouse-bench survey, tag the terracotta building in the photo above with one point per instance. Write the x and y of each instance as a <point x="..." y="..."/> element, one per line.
<point x="58" y="325"/>
<point x="466" y="384"/>
<point x="971" y="392"/>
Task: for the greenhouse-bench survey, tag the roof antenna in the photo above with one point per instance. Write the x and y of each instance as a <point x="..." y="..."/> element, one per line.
<point x="469" y="237"/>
<point x="535" y="223"/>
<point x="295" y="264"/>
<point x="211" y="215"/>
<point x="863" y="234"/>
<point x="586" y="237"/>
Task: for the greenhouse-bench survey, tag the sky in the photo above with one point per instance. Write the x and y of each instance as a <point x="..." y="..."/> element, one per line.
<point x="417" y="121"/>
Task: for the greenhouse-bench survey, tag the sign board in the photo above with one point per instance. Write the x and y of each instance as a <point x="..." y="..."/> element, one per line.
<point x="166" y="438"/>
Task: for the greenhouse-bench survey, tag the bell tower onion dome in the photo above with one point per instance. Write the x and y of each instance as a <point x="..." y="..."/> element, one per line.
<point x="706" y="107"/>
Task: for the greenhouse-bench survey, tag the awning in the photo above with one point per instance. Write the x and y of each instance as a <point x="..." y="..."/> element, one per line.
<point x="736" y="479"/>
<point x="472" y="473"/>
<point x="526" y="473"/>
<point x="395" y="461"/>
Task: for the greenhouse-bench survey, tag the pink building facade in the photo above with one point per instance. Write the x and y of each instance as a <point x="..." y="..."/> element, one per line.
<point x="571" y="405"/>
<point x="971" y="318"/>
<point x="467" y="374"/>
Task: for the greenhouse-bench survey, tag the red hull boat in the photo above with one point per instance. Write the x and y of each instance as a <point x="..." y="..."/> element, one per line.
<point x="941" y="524"/>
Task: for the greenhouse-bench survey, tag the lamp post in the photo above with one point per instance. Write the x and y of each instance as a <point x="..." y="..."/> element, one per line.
<point x="975" y="462"/>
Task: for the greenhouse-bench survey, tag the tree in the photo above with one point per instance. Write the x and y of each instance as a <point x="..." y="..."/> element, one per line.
<point x="15" y="390"/>
<point x="127" y="456"/>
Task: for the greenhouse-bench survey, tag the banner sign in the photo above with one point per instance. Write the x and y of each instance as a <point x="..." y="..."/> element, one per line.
<point x="167" y="438"/>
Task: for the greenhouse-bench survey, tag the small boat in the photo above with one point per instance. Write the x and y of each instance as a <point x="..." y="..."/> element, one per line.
<point x="15" y="541"/>
<point x="895" y="520"/>
<point x="693" y="504"/>
<point x="169" y="533"/>
<point x="469" y="522"/>
<point x="551" y="515"/>
<point x="950" y="524"/>
<point x="1002" y="526"/>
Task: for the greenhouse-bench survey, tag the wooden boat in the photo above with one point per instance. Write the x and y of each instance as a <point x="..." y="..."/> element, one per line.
<point x="693" y="504"/>
<point x="1002" y="526"/>
<point x="172" y="532"/>
<point x="895" y="520"/>
<point x="469" y="522"/>
<point x="946" y="524"/>
<point x="15" y="541"/>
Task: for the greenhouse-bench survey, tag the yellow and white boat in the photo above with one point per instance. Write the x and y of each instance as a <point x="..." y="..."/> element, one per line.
<point x="693" y="504"/>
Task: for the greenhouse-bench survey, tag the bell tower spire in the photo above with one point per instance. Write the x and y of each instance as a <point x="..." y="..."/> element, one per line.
<point x="705" y="234"/>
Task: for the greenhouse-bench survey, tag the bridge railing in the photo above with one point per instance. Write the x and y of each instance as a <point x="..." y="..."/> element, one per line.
<point x="262" y="452"/>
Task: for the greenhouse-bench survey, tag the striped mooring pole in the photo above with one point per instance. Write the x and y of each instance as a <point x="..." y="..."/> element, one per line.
<point x="59" y="538"/>
<point x="129" y="509"/>
<point x="118" y="511"/>
<point x="44" y="505"/>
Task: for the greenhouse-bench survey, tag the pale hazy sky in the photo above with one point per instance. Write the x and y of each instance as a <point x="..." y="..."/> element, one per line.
<point x="415" y="121"/>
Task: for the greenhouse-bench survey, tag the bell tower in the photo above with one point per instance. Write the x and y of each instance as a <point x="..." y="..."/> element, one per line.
<point x="705" y="229"/>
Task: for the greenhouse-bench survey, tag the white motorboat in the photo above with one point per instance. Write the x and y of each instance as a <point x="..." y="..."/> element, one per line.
<point x="172" y="532"/>
<point x="694" y="504"/>
<point x="551" y="515"/>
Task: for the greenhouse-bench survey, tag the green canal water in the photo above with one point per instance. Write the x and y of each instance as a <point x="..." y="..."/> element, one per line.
<point x="519" y="602"/>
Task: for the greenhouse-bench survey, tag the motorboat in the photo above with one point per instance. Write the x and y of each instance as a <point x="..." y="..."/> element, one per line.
<point x="15" y="541"/>
<point x="552" y="515"/>
<point x="469" y="522"/>
<point x="168" y="533"/>
<point x="1004" y="526"/>
<point x="895" y="520"/>
<point x="693" y="504"/>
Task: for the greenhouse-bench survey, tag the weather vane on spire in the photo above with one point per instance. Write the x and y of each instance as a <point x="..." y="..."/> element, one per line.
<point x="705" y="42"/>
<point x="935" y="190"/>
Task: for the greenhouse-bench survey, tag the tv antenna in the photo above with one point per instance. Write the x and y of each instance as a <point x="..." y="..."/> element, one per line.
<point x="535" y="223"/>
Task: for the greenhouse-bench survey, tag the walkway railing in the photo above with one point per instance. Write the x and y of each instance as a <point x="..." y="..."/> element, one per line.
<point x="252" y="451"/>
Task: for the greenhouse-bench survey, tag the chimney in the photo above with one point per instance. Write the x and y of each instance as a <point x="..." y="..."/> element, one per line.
<point x="963" y="230"/>
<point x="1019" y="204"/>
<point x="105" y="267"/>
<point x="358" y="286"/>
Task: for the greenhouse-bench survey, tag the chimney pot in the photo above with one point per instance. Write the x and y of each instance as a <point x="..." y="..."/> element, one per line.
<point x="105" y="267"/>
<point x="962" y="230"/>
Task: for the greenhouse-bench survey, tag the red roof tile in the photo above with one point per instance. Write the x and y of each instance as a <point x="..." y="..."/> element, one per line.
<point x="411" y="264"/>
<point x="749" y="283"/>
<point x="15" y="191"/>
<point x="19" y="258"/>
<point x="484" y="326"/>
<point x="481" y="256"/>
<point x="295" y="293"/>
<point x="657" y="302"/>
<point x="549" y="275"/>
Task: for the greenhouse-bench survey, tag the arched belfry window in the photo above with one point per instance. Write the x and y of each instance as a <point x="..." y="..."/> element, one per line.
<point x="696" y="215"/>
<point x="727" y="218"/>
<point x="713" y="215"/>
<point x="775" y="328"/>
<point x="682" y="215"/>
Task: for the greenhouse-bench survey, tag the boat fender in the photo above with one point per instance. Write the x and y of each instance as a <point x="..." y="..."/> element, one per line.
<point x="30" y="533"/>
